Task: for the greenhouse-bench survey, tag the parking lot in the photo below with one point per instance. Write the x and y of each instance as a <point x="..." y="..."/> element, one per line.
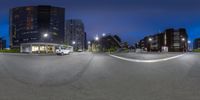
<point x="89" y="76"/>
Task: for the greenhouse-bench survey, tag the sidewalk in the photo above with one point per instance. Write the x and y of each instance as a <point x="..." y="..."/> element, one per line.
<point x="147" y="56"/>
<point x="34" y="54"/>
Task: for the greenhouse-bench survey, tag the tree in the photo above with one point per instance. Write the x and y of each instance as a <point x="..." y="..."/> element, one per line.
<point x="117" y="37"/>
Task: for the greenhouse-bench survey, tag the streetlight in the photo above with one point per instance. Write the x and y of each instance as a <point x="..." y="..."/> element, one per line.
<point x="189" y="44"/>
<point x="46" y="35"/>
<point x="89" y="42"/>
<point x="73" y="42"/>
<point x="189" y="41"/>
<point x="150" y="39"/>
<point x="96" y="38"/>
<point x="104" y="34"/>
<point x="74" y="47"/>
<point x="183" y="39"/>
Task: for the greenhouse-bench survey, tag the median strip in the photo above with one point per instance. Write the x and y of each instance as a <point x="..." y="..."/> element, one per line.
<point x="145" y="61"/>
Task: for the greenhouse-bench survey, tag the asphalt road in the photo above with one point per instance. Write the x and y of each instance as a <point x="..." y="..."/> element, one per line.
<point x="87" y="76"/>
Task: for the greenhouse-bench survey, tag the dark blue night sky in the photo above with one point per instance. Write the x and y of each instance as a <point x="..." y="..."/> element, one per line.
<point x="130" y="19"/>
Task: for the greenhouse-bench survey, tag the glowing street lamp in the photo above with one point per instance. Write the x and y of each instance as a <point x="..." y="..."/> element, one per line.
<point x="183" y="39"/>
<point x="150" y="39"/>
<point x="73" y="42"/>
<point x="96" y="38"/>
<point x="103" y="34"/>
<point x="46" y="35"/>
<point x="189" y="41"/>
<point x="89" y="42"/>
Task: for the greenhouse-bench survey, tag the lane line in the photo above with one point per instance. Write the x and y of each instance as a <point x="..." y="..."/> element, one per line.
<point x="146" y="61"/>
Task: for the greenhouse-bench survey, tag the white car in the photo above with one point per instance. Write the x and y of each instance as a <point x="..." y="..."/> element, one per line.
<point x="62" y="51"/>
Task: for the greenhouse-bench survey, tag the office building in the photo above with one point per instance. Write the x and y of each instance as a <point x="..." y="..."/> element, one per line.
<point x="75" y="34"/>
<point x="38" y="28"/>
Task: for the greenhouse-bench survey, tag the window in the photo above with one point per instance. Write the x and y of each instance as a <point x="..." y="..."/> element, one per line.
<point x="35" y="48"/>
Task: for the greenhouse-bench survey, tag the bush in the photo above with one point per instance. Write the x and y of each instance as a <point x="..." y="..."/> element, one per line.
<point x="126" y="50"/>
<point x="10" y="51"/>
<point x="196" y="50"/>
<point x="112" y="49"/>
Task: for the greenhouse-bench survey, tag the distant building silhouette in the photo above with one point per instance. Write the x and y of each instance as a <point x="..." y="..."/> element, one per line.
<point x="2" y="43"/>
<point x="196" y="43"/>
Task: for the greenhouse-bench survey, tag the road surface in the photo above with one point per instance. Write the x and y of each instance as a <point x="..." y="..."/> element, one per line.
<point x="88" y="76"/>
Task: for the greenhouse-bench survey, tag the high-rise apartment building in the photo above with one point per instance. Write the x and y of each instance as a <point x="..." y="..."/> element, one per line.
<point x="75" y="34"/>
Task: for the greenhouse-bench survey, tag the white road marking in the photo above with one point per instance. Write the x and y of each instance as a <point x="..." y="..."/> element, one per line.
<point x="146" y="61"/>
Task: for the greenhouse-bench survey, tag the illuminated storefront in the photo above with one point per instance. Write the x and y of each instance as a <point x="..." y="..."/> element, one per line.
<point x="38" y="47"/>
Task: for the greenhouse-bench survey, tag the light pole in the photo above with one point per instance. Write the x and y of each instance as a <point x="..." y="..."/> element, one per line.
<point x="183" y="42"/>
<point x="150" y="40"/>
<point x="45" y="35"/>
<point x="189" y="42"/>
<point x="73" y="43"/>
<point x="96" y="38"/>
<point x="89" y="43"/>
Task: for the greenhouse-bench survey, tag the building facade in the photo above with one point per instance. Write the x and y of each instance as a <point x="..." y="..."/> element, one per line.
<point x="170" y="40"/>
<point x="196" y="44"/>
<point x="75" y="34"/>
<point x="36" y="24"/>
<point x="106" y="43"/>
<point x="2" y="44"/>
<point x="109" y="42"/>
<point x="176" y="40"/>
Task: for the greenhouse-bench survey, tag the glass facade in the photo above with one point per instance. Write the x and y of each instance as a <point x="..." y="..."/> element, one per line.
<point x="38" y="47"/>
<point x="29" y="24"/>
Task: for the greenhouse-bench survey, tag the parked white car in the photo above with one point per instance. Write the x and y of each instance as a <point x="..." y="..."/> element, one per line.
<point x="62" y="51"/>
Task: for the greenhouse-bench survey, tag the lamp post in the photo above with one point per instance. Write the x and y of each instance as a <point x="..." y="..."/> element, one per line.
<point x="183" y="42"/>
<point x="89" y="43"/>
<point x="96" y="38"/>
<point x="45" y="35"/>
<point x="73" y="43"/>
<point x="189" y="42"/>
<point x="150" y="40"/>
